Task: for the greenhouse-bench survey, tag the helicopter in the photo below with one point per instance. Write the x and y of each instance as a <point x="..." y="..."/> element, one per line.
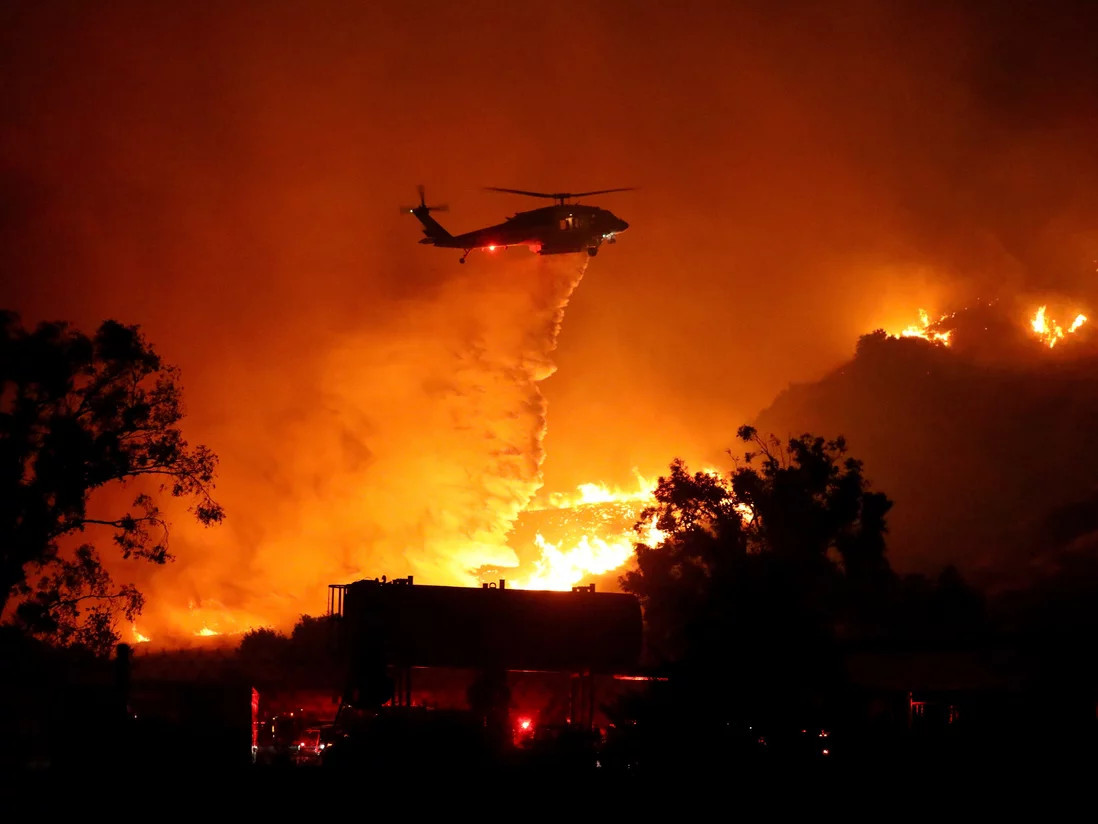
<point x="550" y="230"/>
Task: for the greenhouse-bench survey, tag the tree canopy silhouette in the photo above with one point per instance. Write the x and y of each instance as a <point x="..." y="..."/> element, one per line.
<point x="305" y="658"/>
<point x="760" y="570"/>
<point x="78" y="415"/>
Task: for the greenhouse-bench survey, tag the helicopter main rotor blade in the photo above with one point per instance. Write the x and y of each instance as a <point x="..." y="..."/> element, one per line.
<point x="603" y="191"/>
<point x="561" y="196"/>
<point x="521" y="192"/>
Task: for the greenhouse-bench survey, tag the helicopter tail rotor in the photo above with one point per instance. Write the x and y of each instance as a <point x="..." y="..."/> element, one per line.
<point x="423" y="208"/>
<point x="432" y="229"/>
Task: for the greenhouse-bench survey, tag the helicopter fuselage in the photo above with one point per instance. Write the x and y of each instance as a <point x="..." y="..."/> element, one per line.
<point x="558" y="229"/>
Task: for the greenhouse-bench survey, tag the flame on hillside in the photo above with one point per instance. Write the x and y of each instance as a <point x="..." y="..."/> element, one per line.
<point x="1039" y="324"/>
<point x="1049" y="331"/>
<point x="927" y="329"/>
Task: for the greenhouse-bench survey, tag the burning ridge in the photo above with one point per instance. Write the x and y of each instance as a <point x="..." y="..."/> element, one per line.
<point x="980" y="430"/>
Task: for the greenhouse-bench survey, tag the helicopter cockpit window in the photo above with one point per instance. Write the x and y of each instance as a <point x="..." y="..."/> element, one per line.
<point x="567" y="223"/>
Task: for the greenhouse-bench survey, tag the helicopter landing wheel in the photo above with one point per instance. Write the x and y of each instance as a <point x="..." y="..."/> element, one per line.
<point x="592" y="250"/>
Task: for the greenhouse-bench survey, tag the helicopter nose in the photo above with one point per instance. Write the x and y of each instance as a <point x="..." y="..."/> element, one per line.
<point x="622" y="225"/>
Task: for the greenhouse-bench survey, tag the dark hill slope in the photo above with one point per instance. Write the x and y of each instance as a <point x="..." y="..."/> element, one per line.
<point x="992" y="466"/>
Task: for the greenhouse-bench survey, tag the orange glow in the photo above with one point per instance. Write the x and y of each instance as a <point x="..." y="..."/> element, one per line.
<point x="926" y="329"/>
<point x="206" y="619"/>
<point x="1050" y="332"/>
<point x="374" y="404"/>
<point x="184" y="626"/>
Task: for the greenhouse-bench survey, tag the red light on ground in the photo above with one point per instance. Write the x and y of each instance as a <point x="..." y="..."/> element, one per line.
<point x="491" y="248"/>
<point x="640" y="677"/>
<point x="525" y="724"/>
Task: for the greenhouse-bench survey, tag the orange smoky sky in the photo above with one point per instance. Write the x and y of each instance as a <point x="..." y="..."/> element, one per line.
<point x="229" y="175"/>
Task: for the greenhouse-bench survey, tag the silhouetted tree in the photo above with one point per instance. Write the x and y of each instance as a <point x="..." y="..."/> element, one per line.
<point x="870" y="342"/>
<point x="753" y="580"/>
<point x="306" y="657"/>
<point x="79" y="414"/>
<point x="943" y="610"/>
<point x="263" y="654"/>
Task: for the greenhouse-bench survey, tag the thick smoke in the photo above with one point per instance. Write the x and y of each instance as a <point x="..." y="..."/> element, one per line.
<point x="421" y="445"/>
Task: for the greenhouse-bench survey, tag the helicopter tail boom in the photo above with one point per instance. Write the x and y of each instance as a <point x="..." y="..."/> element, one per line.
<point x="431" y="228"/>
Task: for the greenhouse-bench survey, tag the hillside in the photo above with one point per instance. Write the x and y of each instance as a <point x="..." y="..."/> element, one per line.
<point x="988" y="447"/>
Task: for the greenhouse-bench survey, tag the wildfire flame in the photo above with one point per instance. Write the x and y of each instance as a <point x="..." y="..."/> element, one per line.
<point x="208" y="619"/>
<point x="605" y="544"/>
<point x="926" y="329"/>
<point x="565" y="563"/>
<point x="1045" y="329"/>
<point x="138" y="638"/>
<point x="563" y="567"/>
<point x="601" y="494"/>
<point x="1051" y="332"/>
